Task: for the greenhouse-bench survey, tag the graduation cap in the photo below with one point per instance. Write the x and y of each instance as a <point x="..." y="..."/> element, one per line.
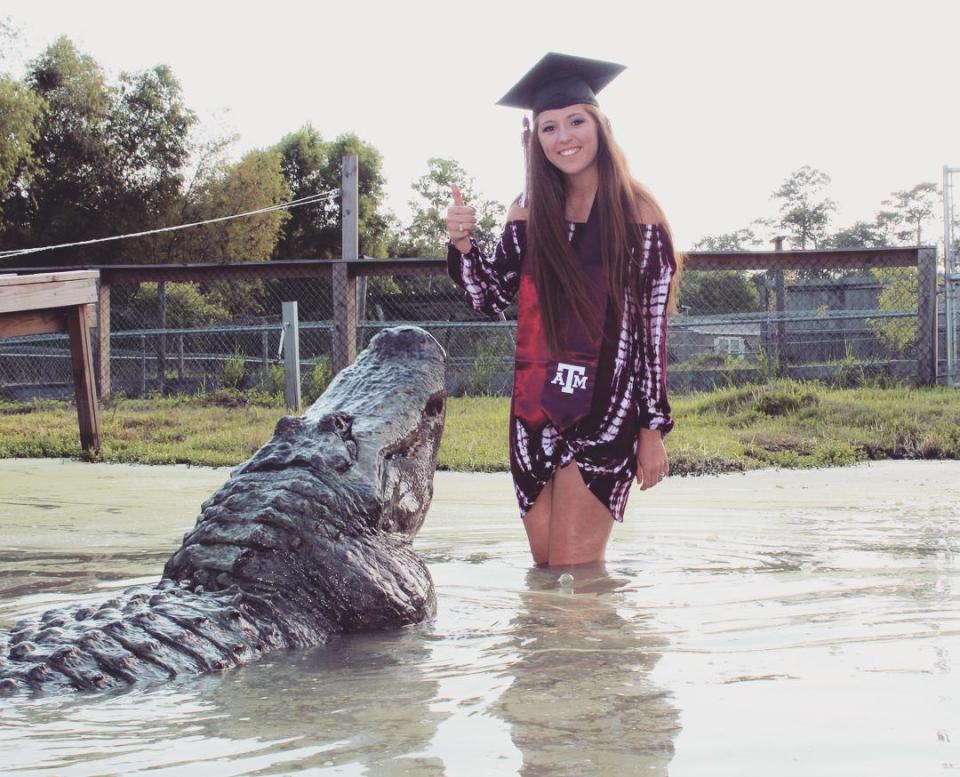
<point x="559" y="80"/>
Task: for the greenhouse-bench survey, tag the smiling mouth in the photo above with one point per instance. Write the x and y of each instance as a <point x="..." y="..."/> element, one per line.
<point x="569" y="151"/>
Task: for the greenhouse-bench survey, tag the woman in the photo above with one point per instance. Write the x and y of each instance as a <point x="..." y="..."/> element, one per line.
<point x="590" y="255"/>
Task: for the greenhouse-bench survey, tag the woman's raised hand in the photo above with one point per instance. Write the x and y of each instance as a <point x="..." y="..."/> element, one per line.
<point x="461" y="220"/>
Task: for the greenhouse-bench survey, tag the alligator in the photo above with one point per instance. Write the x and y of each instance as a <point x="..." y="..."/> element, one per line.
<point x="308" y="538"/>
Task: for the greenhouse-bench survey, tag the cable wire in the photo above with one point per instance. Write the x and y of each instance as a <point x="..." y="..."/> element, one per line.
<point x="309" y="200"/>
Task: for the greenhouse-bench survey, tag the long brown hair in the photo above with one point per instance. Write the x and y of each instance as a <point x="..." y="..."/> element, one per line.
<point x="561" y="286"/>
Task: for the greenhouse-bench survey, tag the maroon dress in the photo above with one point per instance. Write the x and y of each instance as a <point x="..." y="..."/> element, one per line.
<point x="629" y="385"/>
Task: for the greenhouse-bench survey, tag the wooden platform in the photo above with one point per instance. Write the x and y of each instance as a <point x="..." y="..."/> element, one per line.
<point x="53" y="302"/>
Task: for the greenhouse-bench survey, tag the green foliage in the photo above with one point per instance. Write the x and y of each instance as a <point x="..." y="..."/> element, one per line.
<point x="20" y="113"/>
<point x="860" y="234"/>
<point x="804" y="425"/>
<point x="849" y="371"/>
<point x="234" y="370"/>
<point x="109" y="155"/>
<point x="706" y="292"/>
<point x="777" y="398"/>
<point x="255" y="181"/>
<point x="899" y="292"/>
<point x="187" y="306"/>
<point x="317" y="380"/>
<point x="911" y="208"/>
<point x="489" y="358"/>
<point x="740" y="240"/>
<point x="427" y="233"/>
<point x="275" y="381"/>
<point x="311" y="166"/>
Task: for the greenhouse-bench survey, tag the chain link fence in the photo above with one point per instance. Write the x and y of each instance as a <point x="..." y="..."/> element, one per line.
<point x="841" y="316"/>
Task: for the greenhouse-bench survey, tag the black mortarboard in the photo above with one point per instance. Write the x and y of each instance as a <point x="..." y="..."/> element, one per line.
<point x="559" y="80"/>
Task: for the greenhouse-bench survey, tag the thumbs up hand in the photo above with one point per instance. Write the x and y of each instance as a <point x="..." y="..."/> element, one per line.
<point x="461" y="220"/>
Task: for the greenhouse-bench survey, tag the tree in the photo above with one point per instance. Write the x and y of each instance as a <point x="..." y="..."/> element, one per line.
<point x="710" y="292"/>
<point x="427" y="233"/>
<point x="804" y="211"/>
<point x="313" y="166"/>
<point x="63" y="200"/>
<point x="255" y="182"/>
<point x="304" y="156"/>
<point x="20" y="113"/>
<point x="910" y="209"/>
<point x="860" y="234"/>
<point x="728" y="241"/>
<point x="149" y="128"/>
<point x="109" y="157"/>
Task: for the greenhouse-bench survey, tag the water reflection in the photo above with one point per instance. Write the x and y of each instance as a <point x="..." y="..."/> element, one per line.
<point x="582" y="700"/>
<point x="362" y="700"/>
<point x="359" y="705"/>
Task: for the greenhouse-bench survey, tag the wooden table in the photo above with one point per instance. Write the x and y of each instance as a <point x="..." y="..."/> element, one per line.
<point x="59" y="302"/>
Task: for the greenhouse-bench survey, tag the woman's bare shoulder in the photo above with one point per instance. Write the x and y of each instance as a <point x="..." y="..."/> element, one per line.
<point x="516" y="212"/>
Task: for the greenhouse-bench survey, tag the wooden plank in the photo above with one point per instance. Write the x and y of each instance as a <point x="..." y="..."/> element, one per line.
<point x="81" y="362"/>
<point x="55" y="294"/>
<point x="32" y="322"/>
<point x="344" y="318"/>
<point x="103" y="338"/>
<point x="48" y="277"/>
<point x="39" y="322"/>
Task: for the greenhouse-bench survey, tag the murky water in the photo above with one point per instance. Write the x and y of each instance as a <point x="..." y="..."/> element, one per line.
<point x="774" y="623"/>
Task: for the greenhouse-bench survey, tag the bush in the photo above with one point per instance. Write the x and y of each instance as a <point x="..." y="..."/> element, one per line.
<point x="274" y="381"/>
<point x="317" y="380"/>
<point x="233" y="371"/>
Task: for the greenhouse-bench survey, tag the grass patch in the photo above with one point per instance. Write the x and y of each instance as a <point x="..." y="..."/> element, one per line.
<point x="779" y="424"/>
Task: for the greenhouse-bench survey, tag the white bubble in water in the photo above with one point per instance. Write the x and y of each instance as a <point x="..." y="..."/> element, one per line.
<point x="566" y="579"/>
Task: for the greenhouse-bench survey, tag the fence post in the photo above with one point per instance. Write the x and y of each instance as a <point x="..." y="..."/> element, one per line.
<point x="103" y="337"/>
<point x="927" y="316"/>
<point x="780" y="291"/>
<point x="143" y="365"/>
<point x="344" y="281"/>
<point x="162" y="350"/>
<point x="180" y="365"/>
<point x="291" y="357"/>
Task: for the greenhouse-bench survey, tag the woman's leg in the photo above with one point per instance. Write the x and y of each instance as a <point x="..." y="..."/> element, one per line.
<point x="537" y="524"/>
<point x="580" y="523"/>
<point x="567" y="524"/>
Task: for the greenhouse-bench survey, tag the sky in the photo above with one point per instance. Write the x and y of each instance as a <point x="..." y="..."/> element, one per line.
<point x="719" y="103"/>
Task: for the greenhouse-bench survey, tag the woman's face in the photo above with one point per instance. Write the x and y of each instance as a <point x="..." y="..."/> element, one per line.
<point x="568" y="137"/>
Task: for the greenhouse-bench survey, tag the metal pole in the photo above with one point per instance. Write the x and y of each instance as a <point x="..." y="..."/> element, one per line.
<point x="143" y="365"/>
<point x="180" y="365"/>
<point x="949" y="276"/>
<point x="162" y="353"/>
<point x="781" y="328"/>
<point x="291" y="357"/>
